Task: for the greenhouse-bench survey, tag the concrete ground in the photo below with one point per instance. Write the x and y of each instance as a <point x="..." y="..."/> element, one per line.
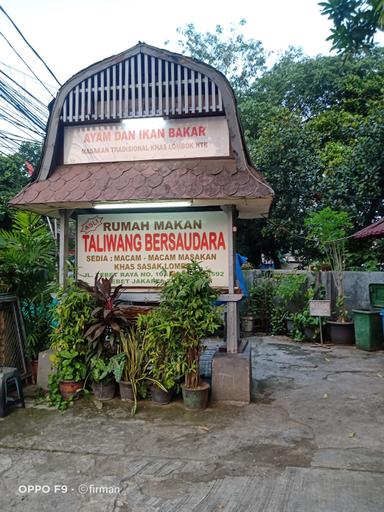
<point x="313" y="441"/>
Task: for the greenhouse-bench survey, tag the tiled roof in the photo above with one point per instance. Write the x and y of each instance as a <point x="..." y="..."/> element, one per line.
<point x="374" y="230"/>
<point x="125" y="181"/>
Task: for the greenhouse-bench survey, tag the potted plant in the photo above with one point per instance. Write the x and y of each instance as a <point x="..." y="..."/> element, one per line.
<point x="189" y="298"/>
<point x="328" y="228"/>
<point x="104" y="375"/>
<point x="135" y="369"/>
<point x="71" y="372"/>
<point x="70" y="318"/>
<point x="165" y="353"/>
<point x="108" y="318"/>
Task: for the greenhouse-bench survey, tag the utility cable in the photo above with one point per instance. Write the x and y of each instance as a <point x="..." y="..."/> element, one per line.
<point x="23" y="89"/>
<point x="28" y="66"/>
<point x="26" y="74"/>
<point x="30" y="46"/>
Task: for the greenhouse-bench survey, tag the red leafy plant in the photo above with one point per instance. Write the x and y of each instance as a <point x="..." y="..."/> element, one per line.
<point x="109" y="316"/>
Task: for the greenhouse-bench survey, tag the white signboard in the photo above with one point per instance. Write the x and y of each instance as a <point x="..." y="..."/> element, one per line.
<point x="143" y="249"/>
<point x="320" y="308"/>
<point x="146" y="139"/>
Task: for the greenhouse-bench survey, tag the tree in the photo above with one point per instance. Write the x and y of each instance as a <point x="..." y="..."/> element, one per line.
<point x="355" y="23"/>
<point x="14" y="176"/>
<point x="241" y="60"/>
<point x="314" y="127"/>
<point x="328" y="229"/>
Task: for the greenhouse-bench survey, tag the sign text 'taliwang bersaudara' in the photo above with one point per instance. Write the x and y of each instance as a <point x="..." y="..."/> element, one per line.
<point x="143" y="249"/>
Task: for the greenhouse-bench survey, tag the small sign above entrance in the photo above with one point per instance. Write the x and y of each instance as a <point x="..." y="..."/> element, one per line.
<point x="146" y="139"/>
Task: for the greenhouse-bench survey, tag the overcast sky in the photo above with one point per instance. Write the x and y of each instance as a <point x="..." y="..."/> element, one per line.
<point x="73" y="34"/>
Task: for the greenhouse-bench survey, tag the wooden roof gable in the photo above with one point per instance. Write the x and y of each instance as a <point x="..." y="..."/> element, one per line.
<point x="143" y="81"/>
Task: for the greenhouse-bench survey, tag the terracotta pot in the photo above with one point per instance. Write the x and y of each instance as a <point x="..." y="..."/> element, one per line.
<point x="126" y="393"/>
<point x="34" y="369"/>
<point x="104" y="390"/>
<point x="159" y="396"/>
<point x="196" y="398"/>
<point x="341" y="333"/>
<point x="70" y="388"/>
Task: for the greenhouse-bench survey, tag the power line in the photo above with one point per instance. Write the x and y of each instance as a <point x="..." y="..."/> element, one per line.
<point x="23" y="89"/>
<point x="26" y="74"/>
<point x="30" y="46"/>
<point x="25" y="63"/>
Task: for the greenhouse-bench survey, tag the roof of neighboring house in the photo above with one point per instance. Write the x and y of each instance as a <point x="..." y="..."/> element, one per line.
<point x="374" y="230"/>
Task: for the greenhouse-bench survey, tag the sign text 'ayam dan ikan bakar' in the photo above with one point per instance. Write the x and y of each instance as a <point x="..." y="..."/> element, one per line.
<point x="146" y="139"/>
<point x="142" y="250"/>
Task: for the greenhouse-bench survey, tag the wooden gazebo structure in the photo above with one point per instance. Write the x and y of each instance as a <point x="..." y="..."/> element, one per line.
<point x="143" y="129"/>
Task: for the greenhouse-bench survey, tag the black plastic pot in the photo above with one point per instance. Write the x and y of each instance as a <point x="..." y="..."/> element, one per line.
<point x="104" y="390"/>
<point x="290" y="325"/>
<point x="247" y="324"/>
<point x="341" y="333"/>
<point x="126" y="393"/>
<point x="159" y="396"/>
<point x="196" y="398"/>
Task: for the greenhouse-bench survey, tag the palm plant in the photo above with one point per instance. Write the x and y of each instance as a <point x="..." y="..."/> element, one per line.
<point x="27" y="267"/>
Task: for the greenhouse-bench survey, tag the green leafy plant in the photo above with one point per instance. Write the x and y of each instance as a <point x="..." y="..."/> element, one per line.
<point x="71" y="317"/>
<point x="188" y="298"/>
<point x="289" y="291"/>
<point x="54" y="398"/>
<point x="38" y="320"/>
<point x="306" y="326"/>
<point x="163" y="347"/>
<point x="102" y="369"/>
<point x="302" y="323"/>
<point x="27" y="256"/>
<point x="71" y="366"/>
<point x="260" y="304"/>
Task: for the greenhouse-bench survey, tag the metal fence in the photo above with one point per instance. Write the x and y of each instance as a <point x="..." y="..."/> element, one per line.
<point x="12" y="334"/>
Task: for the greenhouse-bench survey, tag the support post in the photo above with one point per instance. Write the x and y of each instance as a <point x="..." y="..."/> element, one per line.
<point x="232" y="307"/>
<point x="63" y="247"/>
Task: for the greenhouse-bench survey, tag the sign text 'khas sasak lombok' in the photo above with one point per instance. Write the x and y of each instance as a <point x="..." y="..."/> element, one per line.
<point x="142" y="249"/>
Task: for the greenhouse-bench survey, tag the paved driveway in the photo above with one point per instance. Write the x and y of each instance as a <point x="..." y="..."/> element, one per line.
<point x="313" y="441"/>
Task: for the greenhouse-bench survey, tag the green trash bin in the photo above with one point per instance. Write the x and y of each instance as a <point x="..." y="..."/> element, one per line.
<point x="368" y="325"/>
<point x="368" y="330"/>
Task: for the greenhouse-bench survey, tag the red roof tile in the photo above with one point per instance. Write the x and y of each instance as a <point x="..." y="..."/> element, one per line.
<point x="168" y="180"/>
<point x="375" y="229"/>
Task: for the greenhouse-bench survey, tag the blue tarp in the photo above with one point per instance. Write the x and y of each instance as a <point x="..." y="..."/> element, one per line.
<point x="240" y="260"/>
